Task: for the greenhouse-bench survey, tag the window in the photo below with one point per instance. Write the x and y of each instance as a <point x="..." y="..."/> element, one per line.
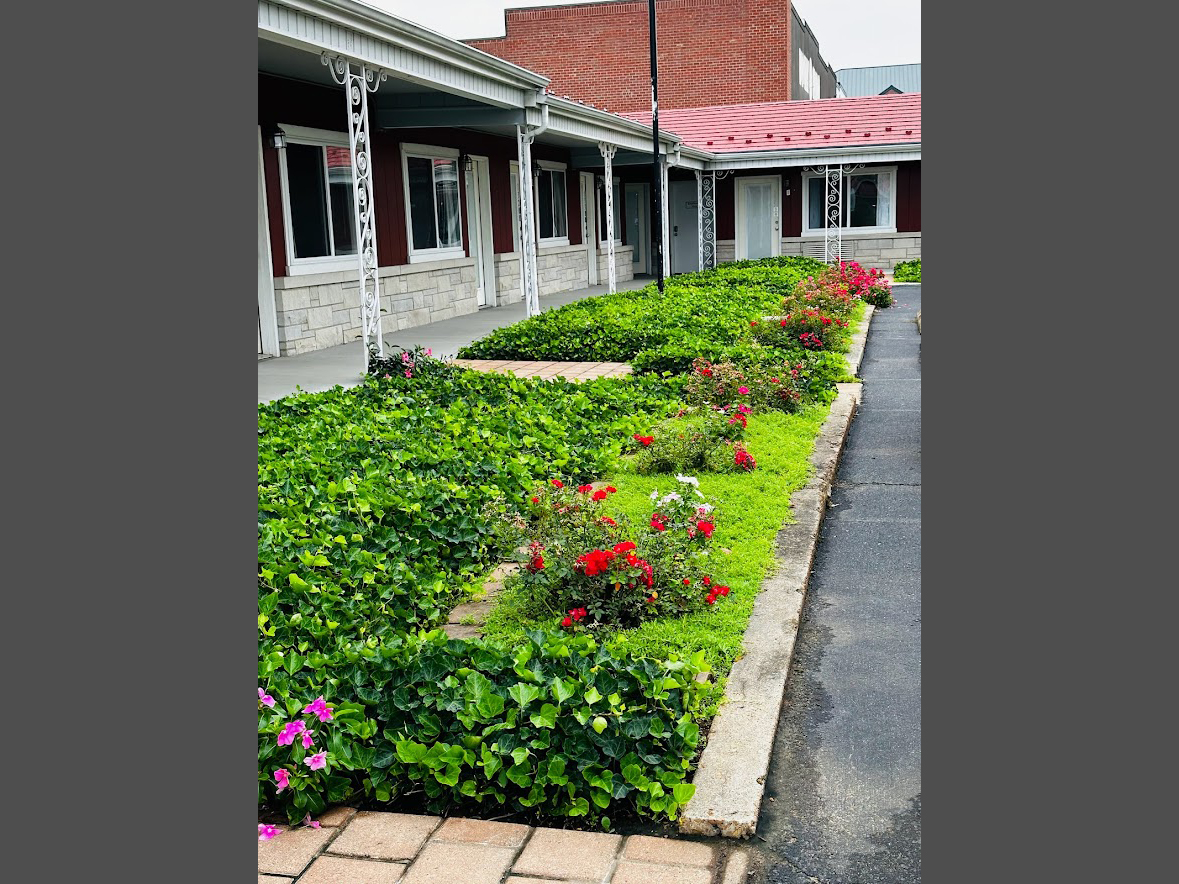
<point x="551" y="218"/>
<point x="867" y="201"/>
<point x="432" y="203"/>
<point x="318" y="202"/>
<point x="808" y="77"/>
<point x="551" y="214"/>
<point x="617" y="213"/>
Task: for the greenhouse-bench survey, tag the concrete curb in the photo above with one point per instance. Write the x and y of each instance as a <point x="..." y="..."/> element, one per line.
<point x="859" y="339"/>
<point x="730" y="778"/>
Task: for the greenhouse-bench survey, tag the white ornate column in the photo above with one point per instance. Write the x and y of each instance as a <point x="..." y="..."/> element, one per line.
<point x="608" y="151"/>
<point x="358" y="81"/>
<point x="666" y="232"/>
<point x="528" y="282"/>
<point x="833" y="228"/>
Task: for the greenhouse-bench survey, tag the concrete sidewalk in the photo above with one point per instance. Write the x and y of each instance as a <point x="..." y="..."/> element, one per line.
<point x="343" y="365"/>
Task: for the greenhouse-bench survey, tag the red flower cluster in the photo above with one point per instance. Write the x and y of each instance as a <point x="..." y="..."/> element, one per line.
<point x="536" y="560"/>
<point x="599" y="495"/>
<point x="606" y="520"/>
<point x="706" y="528"/>
<point x="658" y="522"/>
<point x="811" y="341"/>
<point x="575" y="615"/>
<point x="595" y="561"/>
<point x="557" y="483"/>
<point x="585" y="489"/>
<point x="644" y="440"/>
<point x="743" y="458"/>
<point x="715" y="592"/>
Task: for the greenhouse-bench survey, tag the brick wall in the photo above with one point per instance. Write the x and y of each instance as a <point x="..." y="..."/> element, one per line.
<point x="710" y="51"/>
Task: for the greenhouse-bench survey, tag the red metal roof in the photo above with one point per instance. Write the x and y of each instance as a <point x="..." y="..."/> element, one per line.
<point x="796" y="125"/>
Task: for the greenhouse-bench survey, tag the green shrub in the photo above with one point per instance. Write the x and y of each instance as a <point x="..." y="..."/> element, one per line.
<point x="706" y="438"/>
<point x="806" y="327"/>
<point x="907" y="271"/>
<point x="726" y="385"/>
<point x="698" y="314"/>
<point x="559" y="725"/>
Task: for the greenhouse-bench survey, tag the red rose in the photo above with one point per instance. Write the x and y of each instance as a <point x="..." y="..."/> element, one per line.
<point x="536" y="500"/>
<point x="585" y="489"/>
<point x="611" y="489"/>
<point x="706" y="528"/>
<point x="599" y="495"/>
<point x="687" y="582"/>
<point x="708" y="581"/>
<point x="557" y="483"/>
<point x="566" y="622"/>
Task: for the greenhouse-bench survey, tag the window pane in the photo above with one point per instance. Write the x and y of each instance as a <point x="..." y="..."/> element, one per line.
<point x="421" y="203"/>
<point x="815" y="202"/>
<point x="560" y="213"/>
<point x="309" y="227"/>
<point x="339" y="170"/>
<point x="544" y="203"/>
<point x="446" y="184"/>
<point x="861" y="201"/>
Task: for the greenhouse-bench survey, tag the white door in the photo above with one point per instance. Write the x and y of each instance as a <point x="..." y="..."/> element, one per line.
<point x="267" y="313"/>
<point x="637" y="209"/>
<point x="479" y="230"/>
<point x="758" y="217"/>
<point x="589" y="224"/>
<point x="685" y="227"/>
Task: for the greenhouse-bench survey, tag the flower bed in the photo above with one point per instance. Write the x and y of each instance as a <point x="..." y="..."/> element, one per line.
<point x="380" y="506"/>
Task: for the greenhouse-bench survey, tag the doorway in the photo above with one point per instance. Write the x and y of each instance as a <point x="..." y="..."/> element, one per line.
<point x="759" y="217"/>
<point x="589" y="225"/>
<point x="684" y="204"/>
<point x="638" y="208"/>
<point x="479" y="230"/>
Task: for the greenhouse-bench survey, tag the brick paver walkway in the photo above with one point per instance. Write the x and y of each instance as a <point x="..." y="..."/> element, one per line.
<point x="387" y="848"/>
<point x="571" y="371"/>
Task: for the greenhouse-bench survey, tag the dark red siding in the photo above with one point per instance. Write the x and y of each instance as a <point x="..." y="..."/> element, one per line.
<point x="909" y="197"/>
<point x="278" y="239"/>
<point x="792" y="204"/>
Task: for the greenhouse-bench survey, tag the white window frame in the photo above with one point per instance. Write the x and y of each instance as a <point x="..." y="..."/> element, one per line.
<point x="602" y="215"/>
<point x="816" y="232"/>
<point x="514" y="187"/>
<point x="550" y="166"/>
<point x="438" y="253"/>
<point x="326" y="264"/>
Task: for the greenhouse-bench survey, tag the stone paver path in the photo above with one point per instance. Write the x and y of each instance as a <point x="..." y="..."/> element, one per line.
<point x="397" y="848"/>
<point x="571" y="371"/>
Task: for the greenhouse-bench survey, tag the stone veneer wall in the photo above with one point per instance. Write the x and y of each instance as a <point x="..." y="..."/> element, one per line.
<point x="323" y="310"/>
<point x="880" y="250"/>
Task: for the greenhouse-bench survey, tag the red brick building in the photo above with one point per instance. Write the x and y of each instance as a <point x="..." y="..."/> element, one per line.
<point x="711" y="52"/>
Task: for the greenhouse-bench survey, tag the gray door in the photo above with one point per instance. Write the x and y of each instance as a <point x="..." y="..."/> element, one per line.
<point x="685" y="227"/>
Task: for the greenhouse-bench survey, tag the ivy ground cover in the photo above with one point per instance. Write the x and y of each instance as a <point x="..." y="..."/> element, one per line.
<point x="381" y="505"/>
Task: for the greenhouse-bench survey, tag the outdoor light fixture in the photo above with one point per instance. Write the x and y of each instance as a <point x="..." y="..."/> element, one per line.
<point x="465" y="162"/>
<point x="278" y="138"/>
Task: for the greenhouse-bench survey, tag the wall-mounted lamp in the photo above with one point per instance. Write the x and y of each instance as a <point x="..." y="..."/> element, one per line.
<point x="465" y="162"/>
<point x="277" y="138"/>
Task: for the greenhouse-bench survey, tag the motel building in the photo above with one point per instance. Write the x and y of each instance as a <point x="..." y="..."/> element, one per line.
<point x="405" y="178"/>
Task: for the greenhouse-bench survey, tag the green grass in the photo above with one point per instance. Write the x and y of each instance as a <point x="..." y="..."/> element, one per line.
<point x="753" y="506"/>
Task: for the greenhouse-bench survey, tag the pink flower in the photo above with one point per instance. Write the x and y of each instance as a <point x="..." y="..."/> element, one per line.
<point x="265" y="833"/>
<point x="282" y="778"/>
<point x="308" y="821"/>
<point x="308" y="740"/>
<point x="265" y="698"/>
<point x="408" y="373"/>
<point x="320" y="708"/>
<point x="292" y="730"/>
<point x="742" y="390"/>
<point x="429" y="352"/>
<point x="744" y="409"/>
<point x="318" y="761"/>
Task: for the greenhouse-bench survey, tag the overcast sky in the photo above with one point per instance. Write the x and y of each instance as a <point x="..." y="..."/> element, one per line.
<point x="851" y="33"/>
